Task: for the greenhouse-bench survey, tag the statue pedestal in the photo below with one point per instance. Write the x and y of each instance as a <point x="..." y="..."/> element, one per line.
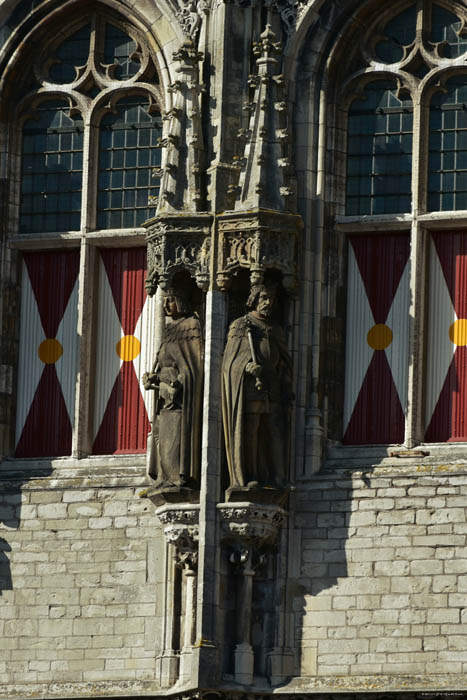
<point x="165" y="495"/>
<point x="244" y="661"/>
<point x="167" y="668"/>
<point x="251" y="524"/>
<point x="257" y="494"/>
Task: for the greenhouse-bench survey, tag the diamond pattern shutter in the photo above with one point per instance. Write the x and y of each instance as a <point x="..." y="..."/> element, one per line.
<point x="124" y="351"/>
<point x="376" y="341"/>
<point x="446" y="389"/>
<point x="48" y="354"/>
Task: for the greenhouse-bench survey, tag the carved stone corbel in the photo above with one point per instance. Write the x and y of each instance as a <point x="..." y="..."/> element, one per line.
<point x="251" y="524"/>
<point x="258" y="241"/>
<point x="180" y="524"/>
<point x="249" y="532"/>
<point x="178" y="242"/>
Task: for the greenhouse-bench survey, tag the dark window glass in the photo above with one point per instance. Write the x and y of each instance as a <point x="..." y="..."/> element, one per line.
<point x="119" y="51"/>
<point x="74" y="52"/>
<point x="399" y="32"/>
<point x="446" y="27"/>
<point x="379" y="153"/>
<point x="447" y="163"/>
<point x="129" y="150"/>
<point x="51" y="177"/>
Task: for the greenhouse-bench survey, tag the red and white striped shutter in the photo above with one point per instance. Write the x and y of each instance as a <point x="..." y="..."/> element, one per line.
<point x="124" y="351"/>
<point x="48" y="354"/>
<point x="446" y="372"/>
<point x="376" y="362"/>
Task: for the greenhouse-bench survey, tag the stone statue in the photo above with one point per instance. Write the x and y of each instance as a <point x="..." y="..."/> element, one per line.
<point x="177" y="379"/>
<point x="256" y="396"/>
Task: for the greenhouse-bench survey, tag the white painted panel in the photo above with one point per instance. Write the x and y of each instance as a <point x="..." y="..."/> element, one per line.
<point x="30" y="367"/>
<point x="107" y="362"/>
<point x="145" y="332"/>
<point x="440" y="349"/>
<point x="358" y="353"/>
<point x="67" y="365"/>
<point x="397" y="352"/>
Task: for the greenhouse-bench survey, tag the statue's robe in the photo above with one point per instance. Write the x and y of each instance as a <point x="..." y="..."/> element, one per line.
<point x="239" y="395"/>
<point x="178" y="423"/>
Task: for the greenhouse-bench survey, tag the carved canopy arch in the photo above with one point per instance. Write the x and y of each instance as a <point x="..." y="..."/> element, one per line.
<point x="49" y="22"/>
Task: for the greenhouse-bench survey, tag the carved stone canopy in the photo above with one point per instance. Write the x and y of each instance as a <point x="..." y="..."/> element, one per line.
<point x="258" y="240"/>
<point x="178" y="242"/>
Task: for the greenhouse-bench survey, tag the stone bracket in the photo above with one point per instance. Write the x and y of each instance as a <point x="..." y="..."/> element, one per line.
<point x="258" y="240"/>
<point x="178" y="242"/>
<point x="250" y="524"/>
<point x="180" y="522"/>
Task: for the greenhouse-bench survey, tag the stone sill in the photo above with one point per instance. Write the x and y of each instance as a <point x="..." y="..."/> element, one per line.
<point x="304" y="686"/>
<point x="69" y="472"/>
<point x="426" y="457"/>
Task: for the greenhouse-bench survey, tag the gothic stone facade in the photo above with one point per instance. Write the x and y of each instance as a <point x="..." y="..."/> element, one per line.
<point x="317" y="146"/>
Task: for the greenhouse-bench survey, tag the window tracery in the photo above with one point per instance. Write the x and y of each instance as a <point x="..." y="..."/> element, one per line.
<point x="87" y="131"/>
<point x="402" y="106"/>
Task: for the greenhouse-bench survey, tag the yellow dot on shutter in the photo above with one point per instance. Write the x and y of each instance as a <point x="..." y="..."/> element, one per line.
<point x="458" y="332"/>
<point x="379" y="337"/>
<point x="49" y="351"/>
<point x="128" y="348"/>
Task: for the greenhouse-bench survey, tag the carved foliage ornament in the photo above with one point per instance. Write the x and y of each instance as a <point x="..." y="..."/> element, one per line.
<point x="182" y="530"/>
<point x="251" y="522"/>
<point x="175" y="246"/>
<point x="259" y="244"/>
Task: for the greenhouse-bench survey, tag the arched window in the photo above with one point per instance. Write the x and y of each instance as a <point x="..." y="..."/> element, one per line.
<point x="88" y="127"/>
<point x="51" y="169"/>
<point x="404" y="214"/>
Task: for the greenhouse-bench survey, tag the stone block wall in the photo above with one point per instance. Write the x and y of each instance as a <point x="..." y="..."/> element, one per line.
<point x="383" y="573"/>
<point x="80" y="563"/>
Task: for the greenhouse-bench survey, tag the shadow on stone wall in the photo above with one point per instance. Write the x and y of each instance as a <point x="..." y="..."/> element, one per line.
<point x="322" y="516"/>
<point x="5" y="571"/>
<point x="11" y="504"/>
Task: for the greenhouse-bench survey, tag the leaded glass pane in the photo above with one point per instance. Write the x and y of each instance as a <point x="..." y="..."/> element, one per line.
<point x="128" y="153"/>
<point x="400" y="32"/>
<point x="51" y="177"/>
<point x="72" y="53"/>
<point x="446" y="28"/>
<point x="119" y="49"/>
<point x="379" y="153"/>
<point x="447" y="165"/>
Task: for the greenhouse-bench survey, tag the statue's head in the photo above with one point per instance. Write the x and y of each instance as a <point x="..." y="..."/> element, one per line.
<point x="177" y="302"/>
<point x="261" y="299"/>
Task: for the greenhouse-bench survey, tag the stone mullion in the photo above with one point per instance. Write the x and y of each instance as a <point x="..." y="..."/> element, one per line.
<point x="414" y="415"/>
<point x="82" y="437"/>
<point x="90" y="175"/>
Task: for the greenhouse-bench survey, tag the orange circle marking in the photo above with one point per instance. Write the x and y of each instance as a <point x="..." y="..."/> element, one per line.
<point x="49" y="351"/>
<point x="128" y="348"/>
<point x="379" y="337"/>
<point x="458" y="332"/>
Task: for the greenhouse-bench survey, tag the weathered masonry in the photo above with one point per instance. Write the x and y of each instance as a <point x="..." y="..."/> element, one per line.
<point x="233" y="351"/>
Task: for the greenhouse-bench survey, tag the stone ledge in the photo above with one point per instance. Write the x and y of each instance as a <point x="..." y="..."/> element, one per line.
<point x="300" y="689"/>
<point x="393" y="469"/>
<point x="41" y="477"/>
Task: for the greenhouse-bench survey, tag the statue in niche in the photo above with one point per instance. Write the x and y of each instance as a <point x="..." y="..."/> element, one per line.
<point x="256" y="395"/>
<point x="177" y="379"/>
